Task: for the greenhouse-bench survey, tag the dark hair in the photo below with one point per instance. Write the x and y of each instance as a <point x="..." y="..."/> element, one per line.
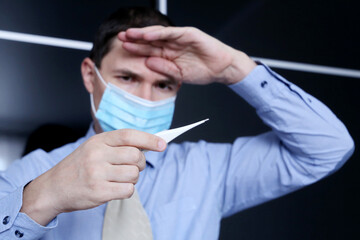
<point x="121" y="20"/>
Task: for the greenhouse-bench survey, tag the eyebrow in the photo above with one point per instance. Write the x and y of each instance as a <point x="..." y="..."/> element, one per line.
<point x="127" y="72"/>
<point x="130" y="73"/>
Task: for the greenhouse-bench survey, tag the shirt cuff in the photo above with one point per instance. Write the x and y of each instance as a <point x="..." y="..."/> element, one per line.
<point x="15" y="224"/>
<point x="261" y="86"/>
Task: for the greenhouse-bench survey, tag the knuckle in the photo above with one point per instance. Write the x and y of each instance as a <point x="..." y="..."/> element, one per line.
<point x="92" y="156"/>
<point x="142" y="159"/>
<point x="94" y="140"/>
<point x="140" y="155"/>
<point x="91" y="170"/>
<point x="93" y="185"/>
<point x="192" y="32"/>
<point x="126" y="134"/>
<point x="128" y="190"/>
<point x="134" y="155"/>
<point x="133" y="174"/>
<point x="142" y="164"/>
<point x="92" y="152"/>
<point x="191" y="29"/>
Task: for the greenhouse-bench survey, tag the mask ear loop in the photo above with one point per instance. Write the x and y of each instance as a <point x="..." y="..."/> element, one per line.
<point x="92" y="104"/>
<point x="91" y="95"/>
<point x="99" y="76"/>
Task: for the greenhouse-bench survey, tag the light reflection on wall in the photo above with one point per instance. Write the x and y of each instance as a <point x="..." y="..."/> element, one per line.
<point x="11" y="148"/>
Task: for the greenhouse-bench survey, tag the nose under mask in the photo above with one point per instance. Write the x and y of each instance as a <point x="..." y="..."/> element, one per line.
<point x="119" y="109"/>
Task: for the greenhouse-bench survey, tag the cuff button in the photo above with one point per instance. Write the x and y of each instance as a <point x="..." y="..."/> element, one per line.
<point x="6" y="220"/>
<point x="19" y="234"/>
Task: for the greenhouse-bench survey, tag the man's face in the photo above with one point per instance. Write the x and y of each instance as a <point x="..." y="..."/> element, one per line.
<point x="129" y="73"/>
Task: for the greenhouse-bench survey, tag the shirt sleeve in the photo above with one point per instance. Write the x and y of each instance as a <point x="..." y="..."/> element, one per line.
<point x="13" y="223"/>
<point x="307" y="142"/>
<point x="17" y="225"/>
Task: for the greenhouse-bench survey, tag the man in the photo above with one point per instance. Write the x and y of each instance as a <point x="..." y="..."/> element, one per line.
<point x="132" y="78"/>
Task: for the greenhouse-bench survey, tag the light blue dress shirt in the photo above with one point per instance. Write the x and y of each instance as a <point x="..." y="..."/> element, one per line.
<point x="190" y="187"/>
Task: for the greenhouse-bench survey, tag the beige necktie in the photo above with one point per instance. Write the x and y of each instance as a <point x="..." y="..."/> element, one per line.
<point x="126" y="220"/>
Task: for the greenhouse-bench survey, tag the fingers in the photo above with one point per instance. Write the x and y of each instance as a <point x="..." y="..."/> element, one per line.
<point x="152" y="33"/>
<point x="166" y="33"/>
<point x="157" y="61"/>
<point x="114" y="190"/>
<point x="142" y="49"/>
<point x="135" y="34"/>
<point x="122" y="173"/>
<point x="134" y="138"/>
<point x="164" y="66"/>
<point x="127" y="156"/>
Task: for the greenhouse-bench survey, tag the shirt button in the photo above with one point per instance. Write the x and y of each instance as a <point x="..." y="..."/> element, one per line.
<point x="6" y="220"/>
<point x="263" y="84"/>
<point x="19" y="234"/>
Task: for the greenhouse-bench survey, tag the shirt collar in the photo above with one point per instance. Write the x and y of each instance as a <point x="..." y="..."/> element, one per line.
<point x="152" y="158"/>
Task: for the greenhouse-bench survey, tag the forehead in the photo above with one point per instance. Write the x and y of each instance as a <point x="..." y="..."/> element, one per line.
<point x="118" y="58"/>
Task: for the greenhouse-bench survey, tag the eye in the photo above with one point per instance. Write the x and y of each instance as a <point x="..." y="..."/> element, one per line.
<point x="124" y="78"/>
<point x="165" y="86"/>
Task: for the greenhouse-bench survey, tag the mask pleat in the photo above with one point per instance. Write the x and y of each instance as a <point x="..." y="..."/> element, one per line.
<point x="119" y="109"/>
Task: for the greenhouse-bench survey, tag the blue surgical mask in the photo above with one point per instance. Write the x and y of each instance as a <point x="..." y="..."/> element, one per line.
<point x="119" y="109"/>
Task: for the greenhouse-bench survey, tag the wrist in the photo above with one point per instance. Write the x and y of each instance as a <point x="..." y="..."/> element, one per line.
<point x="37" y="203"/>
<point x="241" y="65"/>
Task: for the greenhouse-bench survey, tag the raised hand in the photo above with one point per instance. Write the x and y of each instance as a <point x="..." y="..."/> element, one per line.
<point x="187" y="54"/>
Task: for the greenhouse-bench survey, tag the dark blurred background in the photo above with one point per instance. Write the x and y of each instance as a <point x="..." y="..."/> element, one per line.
<point x="42" y="84"/>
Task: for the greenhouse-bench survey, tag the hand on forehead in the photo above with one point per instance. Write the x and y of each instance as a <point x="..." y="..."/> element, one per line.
<point x="130" y="72"/>
<point x="119" y="58"/>
<point x="184" y="53"/>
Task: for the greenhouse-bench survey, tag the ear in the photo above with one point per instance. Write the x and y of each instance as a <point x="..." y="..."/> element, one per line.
<point x="88" y="74"/>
